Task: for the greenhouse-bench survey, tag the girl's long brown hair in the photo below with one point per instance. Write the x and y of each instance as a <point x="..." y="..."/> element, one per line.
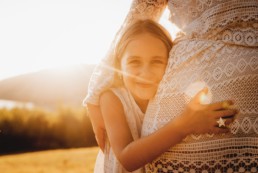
<point x="137" y="28"/>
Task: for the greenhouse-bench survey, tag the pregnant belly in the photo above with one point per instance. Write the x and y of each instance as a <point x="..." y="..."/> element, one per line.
<point x="230" y="72"/>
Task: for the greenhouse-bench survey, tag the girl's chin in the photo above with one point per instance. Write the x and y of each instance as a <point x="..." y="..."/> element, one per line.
<point x="145" y="96"/>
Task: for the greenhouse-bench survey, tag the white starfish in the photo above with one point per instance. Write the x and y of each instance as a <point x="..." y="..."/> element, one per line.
<point x="221" y="122"/>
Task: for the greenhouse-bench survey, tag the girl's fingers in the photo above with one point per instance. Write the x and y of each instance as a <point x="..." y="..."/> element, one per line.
<point x="227" y="122"/>
<point x="221" y="105"/>
<point x="225" y="113"/>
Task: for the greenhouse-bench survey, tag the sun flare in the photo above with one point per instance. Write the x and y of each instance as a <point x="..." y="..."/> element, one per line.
<point x="196" y="87"/>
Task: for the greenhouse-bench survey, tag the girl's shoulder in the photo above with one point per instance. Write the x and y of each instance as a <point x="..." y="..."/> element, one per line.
<point x="110" y="103"/>
<point x="117" y="97"/>
<point x="108" y="95"/>
<point x="113" y="95"/>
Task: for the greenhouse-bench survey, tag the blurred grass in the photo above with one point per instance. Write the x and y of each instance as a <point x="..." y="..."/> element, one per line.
<point x="80" y="160"/>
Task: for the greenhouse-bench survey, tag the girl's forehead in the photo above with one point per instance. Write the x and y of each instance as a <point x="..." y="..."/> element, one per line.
<point x="147" y="51"/>
<point x="144" y="45"/>
<point x="145" y="41"/>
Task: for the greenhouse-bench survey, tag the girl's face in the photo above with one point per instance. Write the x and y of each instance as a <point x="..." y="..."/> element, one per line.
<point x="143" y="64"/>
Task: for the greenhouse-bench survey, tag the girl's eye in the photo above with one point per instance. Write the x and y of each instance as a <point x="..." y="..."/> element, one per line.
<point x="134" y="62"/>
<point x="158" y="62"/>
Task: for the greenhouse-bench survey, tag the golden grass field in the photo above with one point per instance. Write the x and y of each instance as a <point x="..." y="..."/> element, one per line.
<point x="52" y="161"/>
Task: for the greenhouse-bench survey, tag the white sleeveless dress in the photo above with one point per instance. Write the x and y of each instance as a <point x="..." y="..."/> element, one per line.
<point x="107" y="162"/>
<point x="218" y="47"/>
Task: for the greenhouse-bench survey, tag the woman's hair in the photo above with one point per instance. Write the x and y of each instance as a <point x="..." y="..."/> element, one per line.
<point x="130" y="32"/>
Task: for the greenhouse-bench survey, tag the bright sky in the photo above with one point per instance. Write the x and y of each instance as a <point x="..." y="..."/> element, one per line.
<point x="39" y="34"/>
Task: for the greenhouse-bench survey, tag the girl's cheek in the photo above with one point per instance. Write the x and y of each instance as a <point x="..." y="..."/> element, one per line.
<point x="132" y="70"/>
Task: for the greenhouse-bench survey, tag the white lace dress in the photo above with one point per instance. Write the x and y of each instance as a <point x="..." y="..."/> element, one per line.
<point x="107" y="162"/>
<point x="218" y="47"/>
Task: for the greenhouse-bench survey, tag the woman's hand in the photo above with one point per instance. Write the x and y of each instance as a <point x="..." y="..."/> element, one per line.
<point x="97" y="124"/>
<point x="200" y="118"/>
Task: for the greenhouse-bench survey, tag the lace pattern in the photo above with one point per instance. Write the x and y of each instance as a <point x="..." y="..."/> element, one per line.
<point x="198" y="22"/>
<point x="242" y="35"/>
<point x="230" y="72"/>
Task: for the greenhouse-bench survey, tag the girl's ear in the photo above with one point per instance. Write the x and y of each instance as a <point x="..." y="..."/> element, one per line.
<point x="118" y="79"/>
<point x="120" y="76"/>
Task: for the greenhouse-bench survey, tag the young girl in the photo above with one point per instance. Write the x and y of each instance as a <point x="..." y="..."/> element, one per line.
<point x="141" y="56"/>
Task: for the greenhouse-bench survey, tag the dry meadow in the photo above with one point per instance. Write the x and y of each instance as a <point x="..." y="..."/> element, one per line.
<point x="52" y="161"/>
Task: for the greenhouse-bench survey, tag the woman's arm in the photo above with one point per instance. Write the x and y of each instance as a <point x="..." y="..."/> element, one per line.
<point x="141" y="9"/>
<point x="135" y="154"/>
<point x="97" y="124"/>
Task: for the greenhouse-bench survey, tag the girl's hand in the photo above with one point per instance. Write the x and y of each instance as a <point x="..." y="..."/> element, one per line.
<point x="199" y="118"/>
<point x="97" y="124"/>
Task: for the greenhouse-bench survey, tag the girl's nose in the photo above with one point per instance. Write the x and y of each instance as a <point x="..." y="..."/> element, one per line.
<point x="146" y="72"/>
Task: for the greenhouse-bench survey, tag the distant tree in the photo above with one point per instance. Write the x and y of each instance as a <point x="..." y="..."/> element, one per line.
<point x="24" y="129"/>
